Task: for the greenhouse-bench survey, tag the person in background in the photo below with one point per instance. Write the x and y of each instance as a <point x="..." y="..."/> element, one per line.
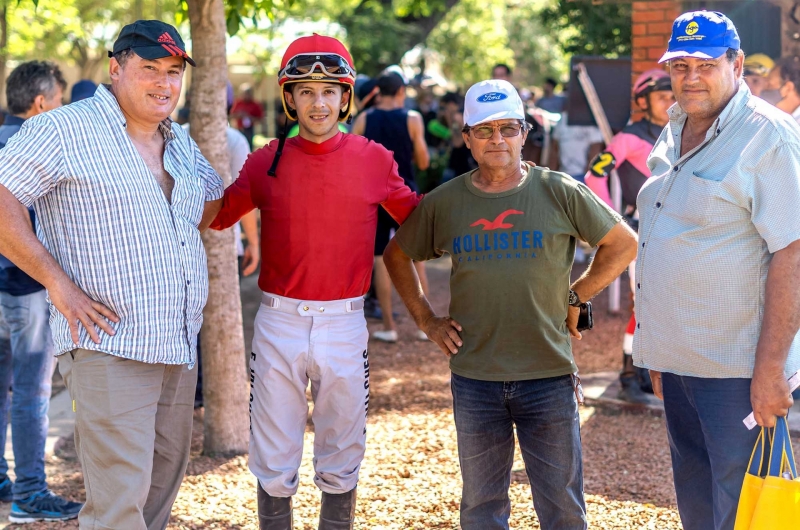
<point x="247" y="112"/>
<point x="627" y="153"/>
<point x="756" y="71"/>
<point x="402" y="132"/>
<point x="502" y="72"/>
<point x="366" y="92"/>
<point x="447" y="127"/>
<point x="26" y="345"/>
<point x="83" y="89"/>
<point x="550" y="101"/>
<point x="573" y="146"/>
<point x="786" y="76"/>
<point x="428" y="106"/>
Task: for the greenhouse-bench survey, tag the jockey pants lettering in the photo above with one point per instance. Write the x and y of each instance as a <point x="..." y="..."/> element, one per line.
<point x="297" y="342"/>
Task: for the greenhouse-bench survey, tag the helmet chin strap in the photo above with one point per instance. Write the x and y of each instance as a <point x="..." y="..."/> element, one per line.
<point x="279" y="152"/>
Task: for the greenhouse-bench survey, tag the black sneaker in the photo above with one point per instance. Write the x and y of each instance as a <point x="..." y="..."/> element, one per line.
<point x="43" y="506"/>
<point x="5" y="490"/>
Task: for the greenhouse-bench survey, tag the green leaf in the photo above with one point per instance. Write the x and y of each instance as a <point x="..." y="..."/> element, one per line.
<point x="233" y="22"/>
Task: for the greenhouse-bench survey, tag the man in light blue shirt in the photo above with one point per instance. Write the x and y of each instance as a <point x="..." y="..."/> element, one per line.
<point x="717" y="296"/>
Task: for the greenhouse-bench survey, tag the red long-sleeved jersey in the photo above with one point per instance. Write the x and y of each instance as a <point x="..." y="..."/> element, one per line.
<point x="318" y="217"/>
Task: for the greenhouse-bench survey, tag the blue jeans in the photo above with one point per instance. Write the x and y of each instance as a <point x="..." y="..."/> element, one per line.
<point x="710" y="446"/>
<point x="26" y="364"/>
<point x="545" y="413"/>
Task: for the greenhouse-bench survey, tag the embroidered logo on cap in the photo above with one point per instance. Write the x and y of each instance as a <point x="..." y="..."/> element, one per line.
<point x="492" y="97"/>
<point x="166" y="37"/>
<point x="169" y="44"/>
<point x="691" y="33"/>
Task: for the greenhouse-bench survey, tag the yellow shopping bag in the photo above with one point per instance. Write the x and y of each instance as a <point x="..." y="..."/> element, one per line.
<point x="778" y="506"/>
<point x="753" y="483"/>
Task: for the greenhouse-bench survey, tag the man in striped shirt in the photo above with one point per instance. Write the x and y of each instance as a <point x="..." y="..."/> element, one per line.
<point x="121" y="195"/>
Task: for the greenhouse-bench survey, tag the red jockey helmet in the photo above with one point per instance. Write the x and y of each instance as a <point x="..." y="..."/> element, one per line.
<point x="319" y="59"/>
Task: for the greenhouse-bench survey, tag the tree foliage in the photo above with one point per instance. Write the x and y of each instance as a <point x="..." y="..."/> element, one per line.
<point x="376" y="36"/>
<point x="464" y="37"/>
<point x="77" y="31"/>
<point x="472" y="38"/>
<point x="536" y="55"/>
<point x="585" y="27"/>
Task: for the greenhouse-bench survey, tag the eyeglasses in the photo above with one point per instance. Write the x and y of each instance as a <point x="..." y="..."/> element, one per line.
<point x="484" y="132"/>
<point x="332" y="65"/>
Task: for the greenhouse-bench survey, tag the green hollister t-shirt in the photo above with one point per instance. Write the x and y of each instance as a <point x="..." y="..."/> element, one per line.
<point x="512" y="254"/>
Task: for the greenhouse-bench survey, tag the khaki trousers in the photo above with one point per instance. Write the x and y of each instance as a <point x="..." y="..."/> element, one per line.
<point x="133" y="429"/>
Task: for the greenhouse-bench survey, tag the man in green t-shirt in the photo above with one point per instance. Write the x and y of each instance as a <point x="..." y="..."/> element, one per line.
<point x="510" y="230"/>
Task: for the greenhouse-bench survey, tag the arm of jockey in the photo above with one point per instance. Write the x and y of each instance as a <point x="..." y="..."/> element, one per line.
<point x="236" y="202"/>
<point x="400" y="199"/>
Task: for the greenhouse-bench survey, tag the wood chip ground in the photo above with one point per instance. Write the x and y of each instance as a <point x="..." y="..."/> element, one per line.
<point x="410" y="477"/>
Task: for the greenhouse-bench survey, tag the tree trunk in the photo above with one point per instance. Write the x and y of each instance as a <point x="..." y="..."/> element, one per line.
<point x="225" y="386"/>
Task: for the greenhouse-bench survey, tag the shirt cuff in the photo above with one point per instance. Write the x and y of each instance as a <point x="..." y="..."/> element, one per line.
<point x="776" y="244"/>
<point x="215" y="193"/>
<point x="604" y="232"/>
<point x="25" y="198"/>
<point x="408" y="252"/>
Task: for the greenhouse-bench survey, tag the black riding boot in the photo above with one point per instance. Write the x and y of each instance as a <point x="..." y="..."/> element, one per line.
<point x="274" y="513"/>
<point x="643" y="377"/>
<point x="631" y="390"/>
<point x="627" y="377"/>
<point x="338" y="511"/>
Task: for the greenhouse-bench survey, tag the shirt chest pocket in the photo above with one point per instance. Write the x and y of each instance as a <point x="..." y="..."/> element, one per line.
<point x="699" y="201"/>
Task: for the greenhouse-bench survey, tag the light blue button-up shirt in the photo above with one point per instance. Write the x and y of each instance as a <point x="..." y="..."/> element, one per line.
<point x="106" y="221"/>
<point x="710" y="222"/>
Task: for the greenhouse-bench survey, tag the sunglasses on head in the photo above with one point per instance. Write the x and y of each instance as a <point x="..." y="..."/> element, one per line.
<point x="331" y="65"/>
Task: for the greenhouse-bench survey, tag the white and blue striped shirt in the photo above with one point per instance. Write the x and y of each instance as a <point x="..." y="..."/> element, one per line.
<point x="105" y="219"/>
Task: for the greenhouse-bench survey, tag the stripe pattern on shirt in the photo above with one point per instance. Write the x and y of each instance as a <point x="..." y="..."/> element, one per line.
<point x="106" y="221"/>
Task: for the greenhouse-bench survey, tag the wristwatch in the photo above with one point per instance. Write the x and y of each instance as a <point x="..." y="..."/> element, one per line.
<point x="574" y="299"/>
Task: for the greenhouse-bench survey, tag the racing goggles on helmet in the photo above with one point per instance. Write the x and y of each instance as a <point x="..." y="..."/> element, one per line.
<point x="331" y="65"/>
<point x="653" y="85"/>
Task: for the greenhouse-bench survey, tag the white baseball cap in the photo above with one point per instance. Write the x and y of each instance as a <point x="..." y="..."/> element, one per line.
<point x="492" y="100"/>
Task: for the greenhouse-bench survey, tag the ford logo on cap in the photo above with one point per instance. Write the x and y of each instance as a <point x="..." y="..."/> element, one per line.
<point x="492" y="96"/>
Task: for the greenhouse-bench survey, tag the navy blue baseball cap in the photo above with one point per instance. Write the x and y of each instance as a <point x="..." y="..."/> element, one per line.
<point x="151" y="39"/>
<point x="702" y="35"/>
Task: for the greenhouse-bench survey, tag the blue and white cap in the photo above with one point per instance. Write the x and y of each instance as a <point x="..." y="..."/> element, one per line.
<point x="702" y="35"/>
<point x="492" y="100"/>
